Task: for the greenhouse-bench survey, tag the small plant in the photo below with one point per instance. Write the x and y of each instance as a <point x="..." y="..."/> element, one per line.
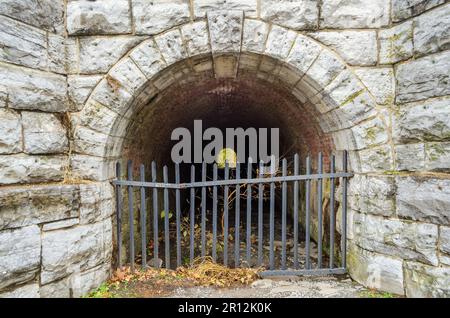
<point x="103" y="291"/>
<point x="376" y="294"/>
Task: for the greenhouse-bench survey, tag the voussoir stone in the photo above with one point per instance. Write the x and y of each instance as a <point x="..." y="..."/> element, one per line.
<point x="23" y="168"/>
<point x="80" y="87"/>
<point x="196" y="38"/>
<point x="345" y="14"/>
<point x="380" y="82"/>
<point x="225" y="28"/>
<point x="171" y="46"/>
<point x="23" y="206"/>
<point x="294" y="14"/>
<point x="43" y="133"/>
<point x="424" y="78"/>
<point x="20" y="251"/>
<point x="279" y="42"/>
<point x="423" y="199"/>
<point x="10" y="132"/>
<point x="34" y="90"/>
<point x="152" y="17"/>
<point x="254" y="35"/>
<point x="98" y="17"/>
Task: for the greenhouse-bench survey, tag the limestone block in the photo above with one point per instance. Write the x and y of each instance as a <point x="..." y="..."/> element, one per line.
<point x="39" y="204"/>
<point x="279" y="42"/>
<point x="98" y="117"/>
<point x="355" y="47"/>
<point x="375" y="270"/>
<point x="57" y="55"/>
<point x="423" y="199"/>
<point x="345" y="14"/>
<point x="99" y="54"/>
<point x="80" y="87"/>
<point x="202" y="7"/>
<point x="254" y="35"/>
<point x="423" y="121"/>
<point x="3" y="96"/>
<point x="89" y="167"/>
<point x="444" y="245"/>
<point x="411" y="241"/>
<point x="153" y="17"/>
<point x="426" y="281"/>
<point x="294" y="14"/>
<point x="96" y="202"/>
<point x="20" y="251"/>
<point x="57" y="289"/>
<point x="324" y="69"/>
<point x="22" y="44"/>
<point x="432" y="31"/>
<point x="83" y="283"/>
<point x="98" y="17"/>
<point x="127" y="74"/>
<point x="111" y="94"/>
<point x="303" y="53"/>
<point x="26" y="291"/>
<point x="225" y="28"/>
<point x="437" y="156"/>
<point x="73" y="250"/>
<point x="410" y="157"/>
<point x="34" y="90"/>
<point x="171" y="46"/>
<point x="57" y="225"/>
<point x="403" y="9"/>
<point x="374" y="195"/>
<point x="196" y="38"/>
<point x="10" y="132"/>
<point x="43" y="133"/>
<point x="90" y="142"/>
<point x="22" y="168"/>
<point x="380" y="82"/>
<point x="44" y="14"/>
<point x="396" y="44"/>
<point x="423" y="78"/>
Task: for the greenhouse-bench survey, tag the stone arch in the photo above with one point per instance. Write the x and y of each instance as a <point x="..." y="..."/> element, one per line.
<point x="225" y="46"/>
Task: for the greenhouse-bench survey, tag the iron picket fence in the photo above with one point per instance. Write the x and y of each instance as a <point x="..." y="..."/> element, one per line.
<point x="297" y="261"/>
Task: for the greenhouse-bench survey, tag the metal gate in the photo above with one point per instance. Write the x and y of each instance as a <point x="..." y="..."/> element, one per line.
<point x="244" y="237"/>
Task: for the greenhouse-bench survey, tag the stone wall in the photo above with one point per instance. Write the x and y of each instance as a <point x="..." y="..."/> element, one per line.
<point x="73" y="73"/>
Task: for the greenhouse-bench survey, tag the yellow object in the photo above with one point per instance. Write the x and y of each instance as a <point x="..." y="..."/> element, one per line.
<point x="226" y="155"/>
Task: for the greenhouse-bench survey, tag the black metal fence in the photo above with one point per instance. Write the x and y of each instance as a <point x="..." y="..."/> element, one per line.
<point x="194" y="225"/>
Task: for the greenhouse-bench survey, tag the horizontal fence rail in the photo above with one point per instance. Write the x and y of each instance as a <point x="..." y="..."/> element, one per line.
<point x="284" y="223"/>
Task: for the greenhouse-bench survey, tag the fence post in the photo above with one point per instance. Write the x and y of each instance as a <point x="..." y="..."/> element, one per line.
<point x="119" y="215"/>
<point x="344" y="211"/>
<point x="143" y="219"/>
<point x="131" y="211"/>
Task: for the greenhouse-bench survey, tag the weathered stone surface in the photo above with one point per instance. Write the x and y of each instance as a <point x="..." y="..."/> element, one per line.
<point x="10" y="132"/>
<point x="422" y="121"/>
<point x="152" y="17"/>
<point x="80" y="87"/>
<point x="303" y="53"/>
<point x="396" y="43"/>
<point x="324" y="69"/>
<point x="426" y="281"/>
<point x="96" y="202"/>
<point x="345" y="14"/>
<point x="98" y="17"/>
<point x="410" y="157"/>
<point x="57" y="289"/>
<point x="225" y="28"/>
<point x="27" y="291"/>
<point x="22" y="44"/>
<point x="43" y="133"/>
<point x="127" y="74"/>
<point x="60" y="224"/>
<point x="255" y="35"/>
<point x="355" y="47"/>
<point x="3" y="96"/>
<point x="73" y="250"/>
<point x="374" y="195"/>
<point x="403" y="9"/>
<point x="57" y="54"/>
<point x="34" y="90"/>
<point x="444" y="245"/>
<point x="279" y="42"/>
<point x="294" y="14"/>
<point x="19" y="255"/>
<point x="380" y="82"/>
<point x="44" y="14"/>
<point x="83" y="283"/>
<point x="28" y="169"/>
<point x="423" y="78"/>
<point x="99" y="54"/>
<point x="148" y="57"/>
<point x="102" y="123"/>
<point x="90" y="142"/>
<point x="423" y="199"/>
<point x="378" y="159"/>
<point x="21" y="206"/>
<point x="201" y="7"/>
<point x="411" y="241"/>
<point x="196" y="38"/>
<point x="111" y="94"/>
<point x="375" y="270"/>
<point x="432" y="31"/>
<point x="89" y="167"/>
<point x="171" y="46"/>
<point x="437" y="156"/>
